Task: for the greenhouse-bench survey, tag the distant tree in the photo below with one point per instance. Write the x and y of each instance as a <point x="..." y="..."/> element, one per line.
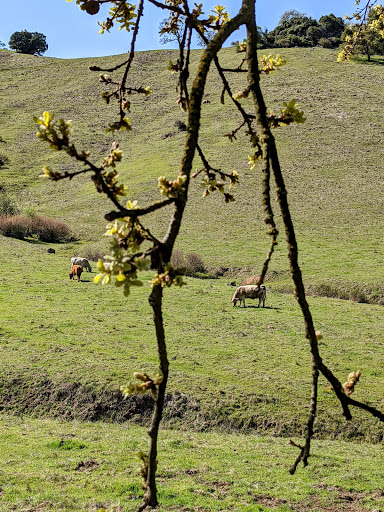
<point x="262" y="38"/>
<point x="170" y="32"/>
<point x="331" y="26"/>
<point x="368" y="41"/>
<point x="287" y="17"/>
<point x="2" y="45"/>
<point x="360" y="36"/>
<point x="292" y="30"/>
<point x="32" y="43"/>
<point x="262" y="41"/>
<point x="209" y="35"/>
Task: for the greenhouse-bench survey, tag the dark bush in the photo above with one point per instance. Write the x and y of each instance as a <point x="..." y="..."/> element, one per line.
<point x="13" y="226"/>
<point x="4" y="160"/>
<point x="180" y="125"/>
<point x="44" y="229"/>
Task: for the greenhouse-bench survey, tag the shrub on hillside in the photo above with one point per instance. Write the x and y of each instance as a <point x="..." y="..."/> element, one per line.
<point x="93" y="253"/>
<point x="44" y="229"/>
<point x="7" y="206"/>
<point x="50" y="230"/>
<point x="4" y="160"/>
<point x="194" y="264"/>
<point x="325" y="43"/>
<point x="191" y="265"/>
<point x="13" y="226"/>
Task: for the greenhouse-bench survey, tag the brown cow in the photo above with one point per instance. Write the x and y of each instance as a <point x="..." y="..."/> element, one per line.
<point x="76" y="271"/>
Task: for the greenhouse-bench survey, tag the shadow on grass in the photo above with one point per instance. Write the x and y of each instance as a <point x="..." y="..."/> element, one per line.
<point x="255" y="307"/>
<point x="375" y="61"/>
<point x="37" y="241"/>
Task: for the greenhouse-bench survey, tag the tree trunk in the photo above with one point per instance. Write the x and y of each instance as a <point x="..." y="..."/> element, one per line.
<point x="155" y="300"/>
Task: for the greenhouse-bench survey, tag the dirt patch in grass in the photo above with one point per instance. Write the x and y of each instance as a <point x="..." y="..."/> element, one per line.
<point x="88" y="465"/>
<point x="39" y="396"/>
<point x="72" y="400"/>
<point x="348" y="291"/>
<point x="342" y="501"/>
<point x="340" y="290"/>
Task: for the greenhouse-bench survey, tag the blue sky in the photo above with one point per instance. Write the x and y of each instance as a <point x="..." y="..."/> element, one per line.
<point x="72" y="33"/>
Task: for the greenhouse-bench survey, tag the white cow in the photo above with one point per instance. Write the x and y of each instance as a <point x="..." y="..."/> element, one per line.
<point x="83" y="262"/>
<point x="250" y="292"/>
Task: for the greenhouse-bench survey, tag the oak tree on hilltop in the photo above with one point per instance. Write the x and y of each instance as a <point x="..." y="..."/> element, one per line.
<point x="32" y="43"/>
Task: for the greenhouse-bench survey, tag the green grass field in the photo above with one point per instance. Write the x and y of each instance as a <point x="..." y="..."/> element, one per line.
<point x="48" y="465"/>
<point x="236" y="375"/>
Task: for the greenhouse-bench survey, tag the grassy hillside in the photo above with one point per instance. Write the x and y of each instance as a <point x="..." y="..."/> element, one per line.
<point x="332" y="163"/>
<point x="333" y="171"/>
<point x="66" y="347"/>
<point x="85" y="466"/>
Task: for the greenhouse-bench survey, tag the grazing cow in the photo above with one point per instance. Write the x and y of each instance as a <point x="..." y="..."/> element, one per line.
<point x="83" y="262"/>
<point x="250" y="292"/>
<point x="51" y="251"/>
<point x="76" y="271"/>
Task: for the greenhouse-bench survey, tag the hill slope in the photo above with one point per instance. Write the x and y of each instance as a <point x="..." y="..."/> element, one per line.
<point x="77" y="341"/>
<point x="332" y="163"/>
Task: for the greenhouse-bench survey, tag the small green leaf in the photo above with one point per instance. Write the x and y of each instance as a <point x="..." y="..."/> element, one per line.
<point x="107" y="279"/>
<point x="97" y="278"/>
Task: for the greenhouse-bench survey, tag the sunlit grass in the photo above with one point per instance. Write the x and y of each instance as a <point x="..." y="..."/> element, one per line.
<point x="51" y="465"/>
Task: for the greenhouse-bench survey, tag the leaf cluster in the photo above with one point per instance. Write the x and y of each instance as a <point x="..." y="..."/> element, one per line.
<point x="143" y="384"/>
<point x="125" y="260"/>
<point x="365" y="32"/>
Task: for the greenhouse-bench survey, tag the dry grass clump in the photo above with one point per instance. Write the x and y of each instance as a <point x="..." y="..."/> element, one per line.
<point x="93" y="253"/>
<point x="177" y="259"/>
<point x="41" y="228"/>
<point x="191" y="265"/>
<point x="13" y="227"/>
<point x="251" y="280"/>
